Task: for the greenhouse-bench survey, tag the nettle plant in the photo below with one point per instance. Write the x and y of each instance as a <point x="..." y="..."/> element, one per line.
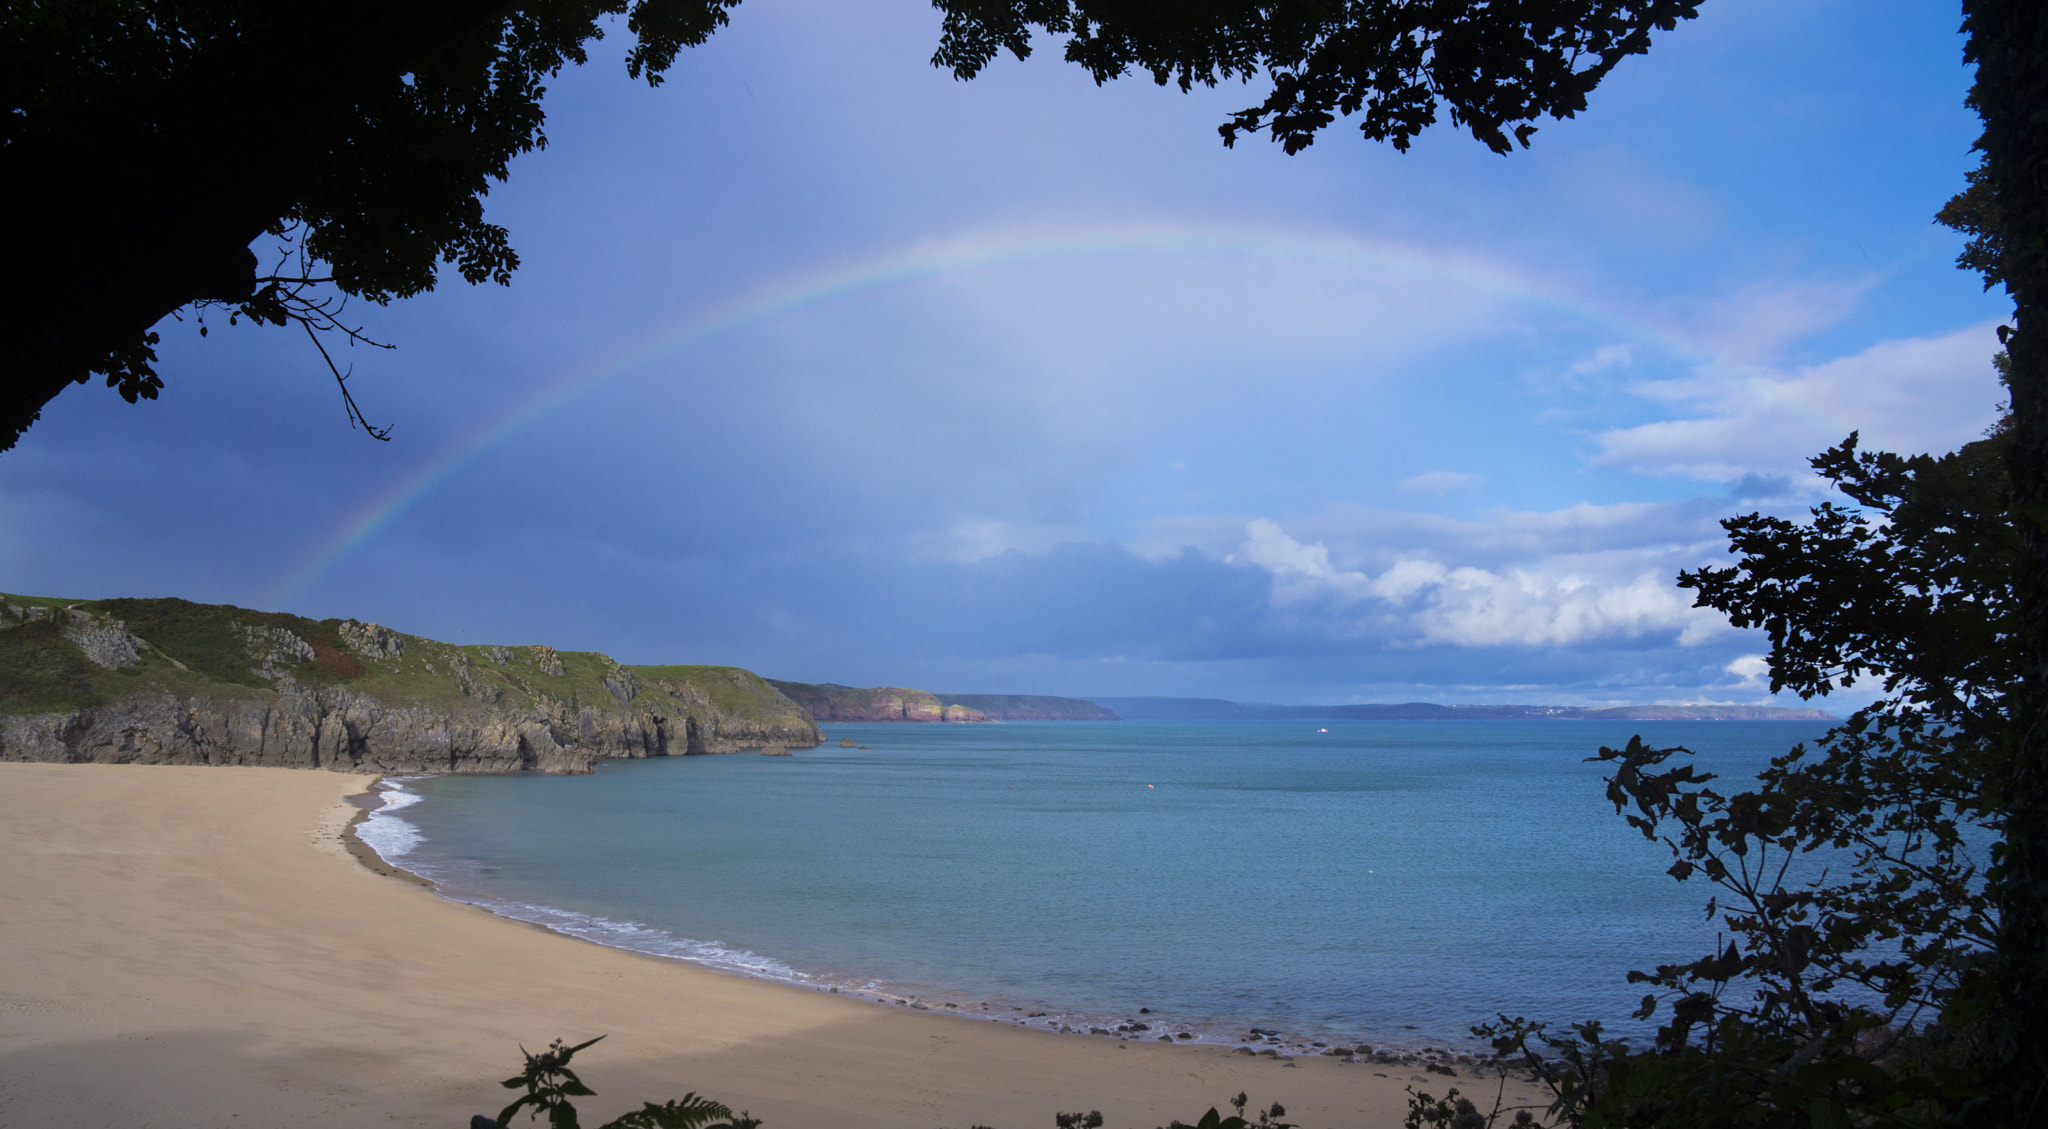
<point x="550" y="1083"/>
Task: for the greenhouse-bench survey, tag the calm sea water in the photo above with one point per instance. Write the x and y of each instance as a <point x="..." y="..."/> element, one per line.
<point x="1388" y="881"/>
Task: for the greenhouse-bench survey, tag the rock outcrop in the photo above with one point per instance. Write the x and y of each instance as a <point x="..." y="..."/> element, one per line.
<point x="1029" y="707"/>
<point x="830" y="702"/>
<point x="275" y="690"/>
<point x="104" y="640"/>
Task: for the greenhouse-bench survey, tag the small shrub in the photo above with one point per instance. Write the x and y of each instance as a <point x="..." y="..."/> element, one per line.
<point x="1268" y="1118"/>
<point x="1455" y="1111"/>
<point x="329" y="657"/>
<point x="550" y="1084"/>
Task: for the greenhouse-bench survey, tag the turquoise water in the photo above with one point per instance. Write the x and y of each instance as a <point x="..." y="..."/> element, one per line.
<point x="1388" y="881"/>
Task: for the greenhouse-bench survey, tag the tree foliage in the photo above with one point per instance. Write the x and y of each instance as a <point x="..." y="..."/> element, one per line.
<point x="150" y="143"/>
<point x="1494" y="68"/>
<point x="2008" y="44"/>
<point x="1857" y="881"/>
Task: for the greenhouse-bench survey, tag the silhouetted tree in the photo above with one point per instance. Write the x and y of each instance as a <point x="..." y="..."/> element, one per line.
<point x="2008" y="41"/>
<point x="147" y="144"/>
<point x="1858" y="981"/>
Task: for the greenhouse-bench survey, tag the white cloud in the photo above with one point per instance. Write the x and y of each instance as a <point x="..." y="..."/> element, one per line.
<point x="1925" y="394"/>
<point x="1753" y="670"/>
<point x="1440" y="482"/>
<point x="1615" y="540"/>
<point x="1597" y="368"/>
<point x="1606" y="358"/>
<point x="1300" y="572"/>
<point x="1417" y="601"/>
<point x="1477" y="608"/>
<point x="1756" y="323"/>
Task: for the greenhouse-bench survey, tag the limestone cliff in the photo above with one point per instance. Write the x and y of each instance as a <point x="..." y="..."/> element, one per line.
<point x="1030" y="707"/>
<point x="832" y="702"/>
<point x="173" y="682"/>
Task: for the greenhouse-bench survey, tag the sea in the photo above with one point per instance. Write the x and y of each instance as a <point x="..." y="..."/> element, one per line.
<point x="1391" y="883"/>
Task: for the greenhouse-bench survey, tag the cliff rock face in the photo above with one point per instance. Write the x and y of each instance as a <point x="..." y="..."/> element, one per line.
<point x="830" y="702"/>
<point x="728" y="709"/>
<point x="169" y="682"/>
<point x="1029" y="707"/>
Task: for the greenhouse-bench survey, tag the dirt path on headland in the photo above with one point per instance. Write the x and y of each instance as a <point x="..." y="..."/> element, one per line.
<point x="195" y="947"/>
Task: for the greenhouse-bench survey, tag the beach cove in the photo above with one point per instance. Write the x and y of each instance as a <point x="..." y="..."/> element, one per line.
<point x="195" y="946"/>
<point x="1390" y="883"/>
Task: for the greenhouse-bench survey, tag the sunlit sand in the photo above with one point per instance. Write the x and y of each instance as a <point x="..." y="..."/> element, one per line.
<point x="194" y="946"/>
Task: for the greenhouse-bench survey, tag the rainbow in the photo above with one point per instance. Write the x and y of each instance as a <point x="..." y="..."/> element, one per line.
<point x="915" y="263"/>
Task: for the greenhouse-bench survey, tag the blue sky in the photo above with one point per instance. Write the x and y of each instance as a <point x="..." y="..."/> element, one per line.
<point x="824" y="364"/>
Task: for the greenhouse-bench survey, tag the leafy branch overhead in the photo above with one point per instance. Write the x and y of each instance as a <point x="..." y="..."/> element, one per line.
<point x="149" y="143"/>
<point x="1495" y="68"/>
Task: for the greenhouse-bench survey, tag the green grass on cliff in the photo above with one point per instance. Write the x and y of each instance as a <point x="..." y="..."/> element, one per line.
<point x="731" y="690"/>
<point x="43" y="671"/>
<point x="192" y="648"/>
<point x="40" y="671"/>
<point x="853" y="699"/>
<point x="209" y="638"/>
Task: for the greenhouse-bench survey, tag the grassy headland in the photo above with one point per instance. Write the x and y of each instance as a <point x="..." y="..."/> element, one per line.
<point x="112" y="679"/>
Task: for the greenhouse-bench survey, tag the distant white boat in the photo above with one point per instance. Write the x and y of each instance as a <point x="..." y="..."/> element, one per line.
<point x="1322" y="731"/>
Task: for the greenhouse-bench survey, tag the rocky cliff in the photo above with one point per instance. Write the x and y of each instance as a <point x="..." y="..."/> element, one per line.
<point x="831" y="702"/>
<point x="173" y="682"/>
<point x="1030" y="707"/>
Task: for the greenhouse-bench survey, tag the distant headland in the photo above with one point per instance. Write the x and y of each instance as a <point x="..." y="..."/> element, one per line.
<point x="830" y="701"/>
<point x="1216" y="709"/>
<point x="168" y="681"/>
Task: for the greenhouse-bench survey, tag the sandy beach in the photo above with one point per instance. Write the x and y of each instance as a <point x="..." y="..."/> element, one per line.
<point x="195" y="946"/>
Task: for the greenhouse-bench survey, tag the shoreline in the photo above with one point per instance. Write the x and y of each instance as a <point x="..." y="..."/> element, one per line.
<point x="1413" y="1052"/>
<point x="363" y="852"/>
<point x="199" y="943"/>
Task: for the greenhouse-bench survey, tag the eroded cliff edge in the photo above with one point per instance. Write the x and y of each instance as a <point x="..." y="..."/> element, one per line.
<point x="173" y="682"/>
<point x="829" y="701"/>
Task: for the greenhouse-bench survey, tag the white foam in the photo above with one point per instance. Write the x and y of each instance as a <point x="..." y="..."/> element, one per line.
<point x="385" y="833"/>
<point x="639" y="938"/>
